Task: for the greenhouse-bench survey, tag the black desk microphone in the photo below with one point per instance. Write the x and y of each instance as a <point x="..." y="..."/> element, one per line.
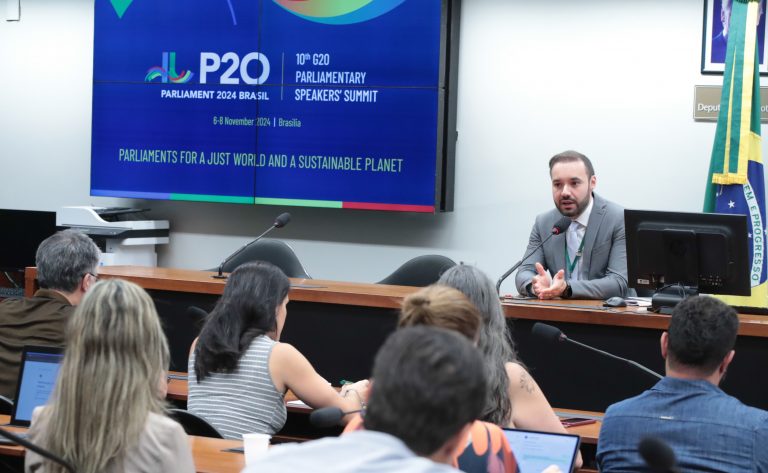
<point x="554" y="334"/>
<point x="281" y="221"/>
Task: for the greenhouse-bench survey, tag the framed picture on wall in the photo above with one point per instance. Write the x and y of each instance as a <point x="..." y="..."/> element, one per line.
<point x="717" y="14"/>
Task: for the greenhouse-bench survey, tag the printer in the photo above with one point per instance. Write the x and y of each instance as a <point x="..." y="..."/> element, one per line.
<point x="122" y="234"/>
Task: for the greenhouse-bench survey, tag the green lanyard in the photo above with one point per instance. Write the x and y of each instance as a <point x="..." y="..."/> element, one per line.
<point x="570" y="266"/>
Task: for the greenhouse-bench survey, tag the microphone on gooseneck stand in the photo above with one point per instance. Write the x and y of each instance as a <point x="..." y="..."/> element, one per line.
<point x="40" y="451"/>
<point x="657" y="455"/>
<point x="281" y="221"/>
<point x="559" y="227"/>
<point x="554" y="334"/>
<point x="328" y="416"/>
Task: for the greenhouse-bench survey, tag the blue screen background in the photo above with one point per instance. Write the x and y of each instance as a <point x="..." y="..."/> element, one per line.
<point x="399" y="52"/>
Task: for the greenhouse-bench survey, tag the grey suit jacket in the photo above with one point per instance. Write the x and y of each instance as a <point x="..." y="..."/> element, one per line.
<point x="604" y="260"/>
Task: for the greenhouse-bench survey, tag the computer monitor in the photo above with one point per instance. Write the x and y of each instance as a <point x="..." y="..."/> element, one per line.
<point x="21" y="233"/>
<point x="687" y="253"/>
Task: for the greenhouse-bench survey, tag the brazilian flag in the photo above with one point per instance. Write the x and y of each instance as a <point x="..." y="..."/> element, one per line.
<point x="736" y="180"/>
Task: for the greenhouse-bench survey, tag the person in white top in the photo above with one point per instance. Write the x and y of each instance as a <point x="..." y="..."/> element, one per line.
<point x="591" y="261"/>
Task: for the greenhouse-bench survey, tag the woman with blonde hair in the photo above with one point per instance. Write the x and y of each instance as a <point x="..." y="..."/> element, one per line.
<point x="106" y="411"/>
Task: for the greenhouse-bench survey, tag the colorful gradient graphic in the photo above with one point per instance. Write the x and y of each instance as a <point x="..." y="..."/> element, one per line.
<point x="334" y="12"/>
<point x="167" y="72"/>
<point x="233" y="199"/>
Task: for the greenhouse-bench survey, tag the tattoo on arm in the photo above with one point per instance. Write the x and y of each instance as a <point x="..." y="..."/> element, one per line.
<point x="527" y="384"/>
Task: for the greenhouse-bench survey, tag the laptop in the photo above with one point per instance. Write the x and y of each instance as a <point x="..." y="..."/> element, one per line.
<point x="37" y="376"/>
<point x="535" y="451"/>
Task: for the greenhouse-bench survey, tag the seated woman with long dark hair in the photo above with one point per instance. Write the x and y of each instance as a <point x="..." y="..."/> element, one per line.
<point x="239" y="371"/>
<point x="106" y="411"/>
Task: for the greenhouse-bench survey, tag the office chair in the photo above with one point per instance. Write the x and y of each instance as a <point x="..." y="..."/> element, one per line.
<point x="6" y="406"/>
<point x="420" y="271"/>
<point x="272" y="251"/>
<point x="194" y="424"/>
<point x="197" y="316"/>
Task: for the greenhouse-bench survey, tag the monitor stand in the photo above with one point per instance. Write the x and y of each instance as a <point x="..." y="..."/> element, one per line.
<point x="666" y="298"/>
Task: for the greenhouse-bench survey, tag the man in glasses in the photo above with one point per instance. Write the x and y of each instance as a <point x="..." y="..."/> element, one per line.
<point x="67" y="265"/>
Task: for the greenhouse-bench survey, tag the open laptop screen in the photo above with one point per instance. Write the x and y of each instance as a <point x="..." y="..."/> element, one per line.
<point x="37" y="376"/>
<point x="535" y="451"/>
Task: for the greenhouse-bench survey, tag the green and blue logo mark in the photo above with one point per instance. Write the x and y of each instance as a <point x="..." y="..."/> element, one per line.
<point x="167" y="72"/>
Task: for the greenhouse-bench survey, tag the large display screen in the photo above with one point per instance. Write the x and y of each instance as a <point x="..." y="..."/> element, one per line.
<point x="326" y="103"/>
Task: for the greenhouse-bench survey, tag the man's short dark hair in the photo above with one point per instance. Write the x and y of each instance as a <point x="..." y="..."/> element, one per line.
<point x="428" y="383"/>
<point x="569" y="157"/>
<point x="64" y="258"/>
<point x="701" y="333"/>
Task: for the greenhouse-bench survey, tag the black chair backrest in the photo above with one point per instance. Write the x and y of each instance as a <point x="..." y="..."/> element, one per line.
<point x="6" y="406"/>
<point x="420" y="271"/>
<point x="197" y="317"/>
<point x="272" y="251"/>
<point x="193" y="424"/>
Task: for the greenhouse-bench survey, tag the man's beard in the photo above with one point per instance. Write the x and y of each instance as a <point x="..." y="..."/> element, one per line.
<point x="576" y="211"/>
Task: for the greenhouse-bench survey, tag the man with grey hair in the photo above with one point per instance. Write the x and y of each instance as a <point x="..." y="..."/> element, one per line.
<point x="66" y="268"/>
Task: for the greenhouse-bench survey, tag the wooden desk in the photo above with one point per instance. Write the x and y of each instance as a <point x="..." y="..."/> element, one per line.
<point x="589" y="433"/>
<point x="201" y="282"/>
<point x="178" y="389"/>
<point x="209" y="456"/>
<point x="383" y="296"/>
<point x="331" y="320"/>
<point x="11" y="450"/>
<point x="593" y="313"/>
<point x="207" y="453"/>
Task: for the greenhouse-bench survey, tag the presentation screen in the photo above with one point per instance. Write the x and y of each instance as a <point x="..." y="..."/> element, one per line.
<point x="343" y="104"/>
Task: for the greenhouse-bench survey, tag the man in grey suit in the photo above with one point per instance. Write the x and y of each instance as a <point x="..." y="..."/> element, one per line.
<point x="590" y="260"/>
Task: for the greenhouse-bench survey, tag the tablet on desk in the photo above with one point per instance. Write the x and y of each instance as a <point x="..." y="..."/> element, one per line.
<point x="535" y="451"/>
